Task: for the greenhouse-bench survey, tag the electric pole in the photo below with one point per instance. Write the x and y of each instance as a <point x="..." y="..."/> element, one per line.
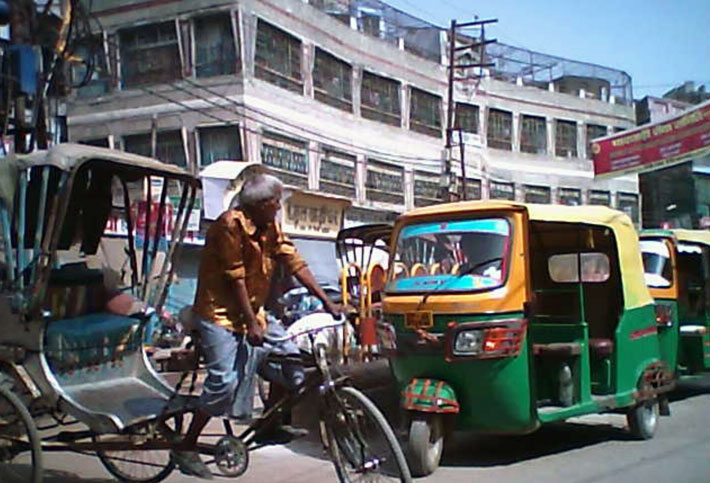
<point x="478" y="48"/>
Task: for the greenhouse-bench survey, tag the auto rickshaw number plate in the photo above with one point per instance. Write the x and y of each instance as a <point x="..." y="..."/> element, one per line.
<point x="422" y="319"/>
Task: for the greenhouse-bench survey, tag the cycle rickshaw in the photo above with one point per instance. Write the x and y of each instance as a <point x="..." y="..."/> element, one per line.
<point x="74" y="374"/>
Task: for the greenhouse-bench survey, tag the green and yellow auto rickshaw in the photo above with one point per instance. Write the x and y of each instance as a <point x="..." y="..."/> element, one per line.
<point x="677" y="271"/>
<point x="522" y="315"/>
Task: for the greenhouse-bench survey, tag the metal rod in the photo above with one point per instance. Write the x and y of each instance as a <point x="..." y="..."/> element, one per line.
<point x="40" y="215"/>
<point x="7" y="241"/>
<point x="22" y="213"/>
<point x="463" y="165"/>
<point x="476" y="23"/>
<point x="129" y="227"/>
<point x="156" y="237"/>
<point x="146" y="238"/>
<point x="475" y="64"/>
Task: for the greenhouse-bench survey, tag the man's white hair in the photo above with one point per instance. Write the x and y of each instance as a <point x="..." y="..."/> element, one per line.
<point x="258" y="189"/>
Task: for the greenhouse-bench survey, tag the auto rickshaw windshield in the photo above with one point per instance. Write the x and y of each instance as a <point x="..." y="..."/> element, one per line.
<point x="457" y="255"/>
<point x="656" y="263"/>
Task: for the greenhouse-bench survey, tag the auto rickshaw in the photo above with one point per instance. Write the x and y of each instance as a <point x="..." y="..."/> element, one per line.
<point x="523" y="314"/>
<point x="677" y="271"/>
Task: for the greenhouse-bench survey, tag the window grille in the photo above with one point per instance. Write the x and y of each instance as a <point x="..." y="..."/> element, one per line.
<point x="425" y="113"/>
<point x="569" y="196"/>
<point x="427" y="189"/>
<point x="597" y="197"/>
<point x="380" y="99"/>
<point x="537" y="194"/>
<point x="91" y="52"/>
<point x="502" y="191"/>
<point x="218" y="143"/>
<point x="566" y="139"/>
<point x="169" y="146"/>
<point x="332" y="81"/>
<point x="149" y="54"/>
<point x="500" y="129"/>
<point x="533" y="135"/>
<point x="215" y="52"/>
<point x="385" y="182"/>
<point x="287" y="158"/>
<point x="473" y="188"/>
<point x="629" y="204"/>
<point x="466" y="117"/>
<point x="337" y="174"/>
<point x="278" y="57"/>
<point x="593" y="131"/>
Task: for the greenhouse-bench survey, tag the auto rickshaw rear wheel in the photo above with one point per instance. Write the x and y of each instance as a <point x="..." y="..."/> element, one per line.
<point x="643" y="419"/>
<point x="426" y="443"/>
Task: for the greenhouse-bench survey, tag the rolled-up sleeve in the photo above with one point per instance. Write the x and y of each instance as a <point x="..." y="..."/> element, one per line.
<point x="286" y="251"/>
<point x="229" y="249"/>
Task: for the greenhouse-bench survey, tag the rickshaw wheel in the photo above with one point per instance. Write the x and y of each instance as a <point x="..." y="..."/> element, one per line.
<point x="425" y="444"/>
<point x="138" y="466"/>
<point x="643" y="419"/>
<point x="18" y="434"/>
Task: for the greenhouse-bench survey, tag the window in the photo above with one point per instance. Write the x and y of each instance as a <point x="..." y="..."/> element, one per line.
<point x="427" y="190"/>
<point x="500" y="128"/>
<point x="466" y="117"/>
<point x="99" y="142"/>
<point x="597" y="197"/>
<point x="565" y="268"/>
<point x="425" y="113"/>
<point x="169" y="146"/>
<point x="657" y="267"/>
<point x="149" y="54"/>
<point x="451" y="255"/>
<point x="537" y="194"/>
<point x="337" y="174"/>
<point x="370" y="24"/>
<point x="380" y="99"/>
<point x="215" y="51"/>
<point x="288" y="159"/>
<point x="533" y="135"/>
<point x="502" y="191"/>
<point x="593" y="131"/>
<point x="384" y="182"/>
<point x="332" y="81"/>
<point x="473" y="188"/>
<point x="278" y="57"/>
<point x="219" y="143"/>
<point x="93" y="81"/>
<point x="569" y="196"/>
<point x="566" y="139"/>
<point x="629" y="204"/>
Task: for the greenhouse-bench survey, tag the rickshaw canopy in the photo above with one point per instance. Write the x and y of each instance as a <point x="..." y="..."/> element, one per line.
<point x="636" y="293"/>
<point x="701" y="237"/>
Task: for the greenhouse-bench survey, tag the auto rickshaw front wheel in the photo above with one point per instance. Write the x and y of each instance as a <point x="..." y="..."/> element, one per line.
<point x="426" y="443"/>
<point x="643" y="419"/>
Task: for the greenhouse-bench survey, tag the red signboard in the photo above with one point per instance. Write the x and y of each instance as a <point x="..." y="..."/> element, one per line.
<point x="660" y="144"/>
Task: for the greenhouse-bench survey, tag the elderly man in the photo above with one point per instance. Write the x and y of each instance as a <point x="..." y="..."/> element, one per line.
<point x="241" y="251"/>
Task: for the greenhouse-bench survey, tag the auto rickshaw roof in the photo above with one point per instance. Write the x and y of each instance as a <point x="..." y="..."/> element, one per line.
<point x="69" y="156"/>
<point x="636" y="293"/>
<point x="682" y="235"/>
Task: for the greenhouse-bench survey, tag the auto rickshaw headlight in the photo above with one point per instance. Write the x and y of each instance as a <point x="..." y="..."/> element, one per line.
<point x="469" y="342"/>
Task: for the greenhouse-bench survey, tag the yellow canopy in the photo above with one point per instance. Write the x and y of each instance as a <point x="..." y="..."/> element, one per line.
<point x="636" y="293"/>
<point x="692" y="236"/>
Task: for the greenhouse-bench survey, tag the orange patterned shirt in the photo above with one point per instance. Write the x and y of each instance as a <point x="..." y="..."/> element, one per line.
<point x="236" y="249"/>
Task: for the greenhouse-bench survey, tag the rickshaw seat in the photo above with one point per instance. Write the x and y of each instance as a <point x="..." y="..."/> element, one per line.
<point x="601" y="348"/>
<point x="558" y="349"/>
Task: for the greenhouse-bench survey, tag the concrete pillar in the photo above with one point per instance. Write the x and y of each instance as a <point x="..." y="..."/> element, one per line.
<point x="408" y="188"/>
<point x="248" y="31"/>
<point x="550" y="136"/>
<point x="515" y="138"/>
<point x="551" y="86"/>
<point x="308" y="53"/>
<point x="360" y="177"/>
<point x="313" y="166"/>
<point x="252" y="141"/>
<point x="404" y="94"/>
<point x="357" y="86"/>
<point x="581" y="140"/>
<point x="483" y="125"/>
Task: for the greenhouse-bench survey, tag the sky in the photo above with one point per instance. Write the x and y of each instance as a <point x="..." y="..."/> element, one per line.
<point x="660" y="43"/>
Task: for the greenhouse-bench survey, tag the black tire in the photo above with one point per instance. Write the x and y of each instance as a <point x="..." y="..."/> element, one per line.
<point x="138" y="466"/>
<point x="425" y="444"/>
<point x="643" y="419"/>
<point x="361" y="442"/>
<point x="16" y="423"/>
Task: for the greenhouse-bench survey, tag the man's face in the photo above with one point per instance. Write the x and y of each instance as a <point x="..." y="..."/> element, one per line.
<point x="265" y="212"/>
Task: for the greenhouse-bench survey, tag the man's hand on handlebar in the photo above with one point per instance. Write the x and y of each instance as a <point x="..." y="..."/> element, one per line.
<point x="255" y="334"/>
<point x="336" y="310"/>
